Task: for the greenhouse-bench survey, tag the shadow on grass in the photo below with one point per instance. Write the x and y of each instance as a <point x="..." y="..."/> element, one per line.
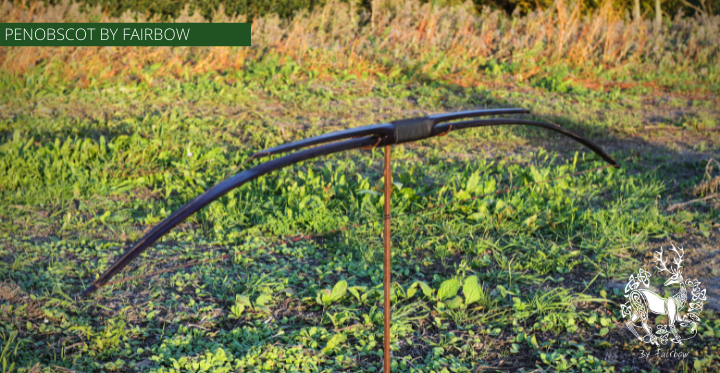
<point x="671" y="153"/>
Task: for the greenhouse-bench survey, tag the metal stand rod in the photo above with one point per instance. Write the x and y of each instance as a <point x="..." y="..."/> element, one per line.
<point x="388" y="257"/>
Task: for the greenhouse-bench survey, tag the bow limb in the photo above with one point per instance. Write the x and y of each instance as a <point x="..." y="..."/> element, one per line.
<point x="442" y="129"/>
<point x="218" y="191"/>
<point x="380" y="130"/>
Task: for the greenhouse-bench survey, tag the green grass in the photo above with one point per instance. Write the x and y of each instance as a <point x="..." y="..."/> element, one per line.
<point x="518" y="279"/>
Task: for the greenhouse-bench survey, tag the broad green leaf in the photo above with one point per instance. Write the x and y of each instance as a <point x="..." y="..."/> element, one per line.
<point x="489" y="187"/>
<point x="472" y="290"/>
<point x="473" y="182"/>
<point x="533" y="342"/>
<point x="448" y="289"/>
<point x="426" y="289"/>
<point x="355" y="291"/>
<point x="263" y="300"/>
<point x="334" y="342"/>
<point x="411" y="291"/>
<point x="243" y="300"/>
<point x="454" y="303"/>
<point x="237" y="310"/>
<point x="501" y="206"/>
<point x="530" y="221"/>
<point x="519" y="305"/>
<point x="338" y="291"/>
<point x="704" y="229"/>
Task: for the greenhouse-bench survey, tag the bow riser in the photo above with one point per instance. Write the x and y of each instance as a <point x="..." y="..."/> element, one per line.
<point x="396" y="132"/>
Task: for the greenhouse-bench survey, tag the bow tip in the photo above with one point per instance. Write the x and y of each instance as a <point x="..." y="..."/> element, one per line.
<point x="91" y="289"/>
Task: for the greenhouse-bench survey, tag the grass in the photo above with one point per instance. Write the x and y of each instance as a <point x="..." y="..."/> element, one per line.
<point x="99" y="144"/>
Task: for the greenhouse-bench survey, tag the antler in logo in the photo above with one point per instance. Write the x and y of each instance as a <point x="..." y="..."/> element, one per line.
<point x="643" y="301"/>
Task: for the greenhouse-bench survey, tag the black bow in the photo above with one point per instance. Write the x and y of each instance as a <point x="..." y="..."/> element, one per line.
<point x="396" y="132"/>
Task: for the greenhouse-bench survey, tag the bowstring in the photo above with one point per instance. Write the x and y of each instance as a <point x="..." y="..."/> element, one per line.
<point x="303" y="237"/>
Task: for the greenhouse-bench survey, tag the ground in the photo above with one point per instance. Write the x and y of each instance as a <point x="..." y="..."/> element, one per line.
<point x="528" y="280"/>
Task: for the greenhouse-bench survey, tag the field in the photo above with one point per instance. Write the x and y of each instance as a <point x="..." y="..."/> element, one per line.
<point x="99" y="144"/>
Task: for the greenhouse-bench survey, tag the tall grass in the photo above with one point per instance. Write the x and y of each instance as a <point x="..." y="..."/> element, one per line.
<point x="452" y="44"/>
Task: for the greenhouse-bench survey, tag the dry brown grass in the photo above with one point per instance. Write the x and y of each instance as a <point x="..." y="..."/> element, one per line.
<point x="447" y="43"/>
<point x="12" y="293"/>
<point x="9" y="291"/>
<point x="709" y="184"/>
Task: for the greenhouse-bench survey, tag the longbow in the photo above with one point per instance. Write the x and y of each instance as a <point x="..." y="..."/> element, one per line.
<point x="397" y="132"/>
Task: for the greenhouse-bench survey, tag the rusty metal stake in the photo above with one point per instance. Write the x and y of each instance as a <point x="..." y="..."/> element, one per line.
<point x="388" y="257"/>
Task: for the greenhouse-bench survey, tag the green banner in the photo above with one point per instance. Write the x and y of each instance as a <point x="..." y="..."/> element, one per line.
<point x="125" y="34"/>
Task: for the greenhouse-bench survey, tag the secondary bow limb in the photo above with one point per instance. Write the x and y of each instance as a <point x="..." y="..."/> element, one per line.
<point x="216" y="192"/>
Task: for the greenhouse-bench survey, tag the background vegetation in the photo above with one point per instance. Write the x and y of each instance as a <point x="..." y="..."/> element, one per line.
<point x="99" y="144"/>
<point x="250" y="9"/>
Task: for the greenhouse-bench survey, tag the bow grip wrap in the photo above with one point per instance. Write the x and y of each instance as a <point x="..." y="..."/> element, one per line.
<point x="408" y="130"/>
